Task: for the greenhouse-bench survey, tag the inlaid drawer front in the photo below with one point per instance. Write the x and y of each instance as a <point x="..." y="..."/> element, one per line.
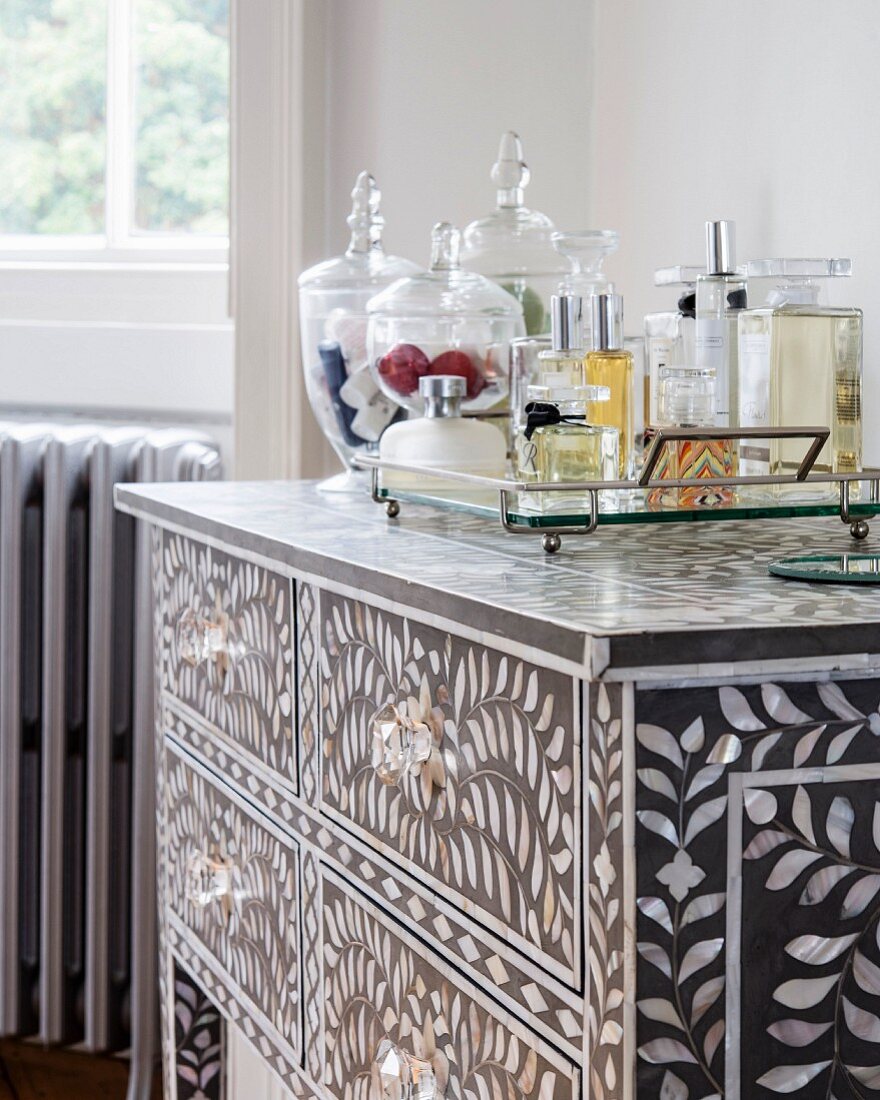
<point x="463" y="761"/>
<point x="233" y="883"/>
<point x="228" y="635"/>
<point x="399" y="1025"/>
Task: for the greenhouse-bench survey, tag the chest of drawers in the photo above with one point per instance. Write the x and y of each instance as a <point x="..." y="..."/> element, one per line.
<point x="557" y="835"/>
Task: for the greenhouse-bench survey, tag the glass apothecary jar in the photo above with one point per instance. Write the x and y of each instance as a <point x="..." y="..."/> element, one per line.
<point x="333" y="296"/>
<point x="513" y="245"/>
<point x="444" y="321"/>
<point x="585" y="252"/>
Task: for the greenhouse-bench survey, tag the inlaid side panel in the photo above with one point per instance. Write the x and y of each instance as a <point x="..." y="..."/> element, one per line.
<point x="198" y="1030"/>
<point x="234" y="884"/>
<point x="377" y="986"/>
<point x="307" y="685"/>
<point x="758" y="877"/>
<point x="497" y="825"/>
<point x="244" y="686"/>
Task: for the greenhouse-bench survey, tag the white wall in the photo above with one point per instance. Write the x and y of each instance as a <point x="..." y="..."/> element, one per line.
<point x="762" y="112"/>
<point x="419" y="93"/>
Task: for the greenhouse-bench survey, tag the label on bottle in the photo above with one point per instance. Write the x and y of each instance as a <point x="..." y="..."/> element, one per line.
<point x="711" y="349"/>
<point x="660" y="354"/>
<point x="754" y="399"/>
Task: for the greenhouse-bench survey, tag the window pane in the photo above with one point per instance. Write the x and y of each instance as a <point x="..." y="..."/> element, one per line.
<point x="53" y="61"/>
<point x="182" y="116"/>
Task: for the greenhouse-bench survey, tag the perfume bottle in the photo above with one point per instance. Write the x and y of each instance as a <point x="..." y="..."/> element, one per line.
<point x="560" y="443"/>
<point x="721" y="294"/>
<point x="609" y="364"/>
<point x="800" y="366"/>
<point x="670" y="336"/>
<point x="443" y="439"/>
<point x="585" y="251"/>
<point x="566" y="354"/>
<point x="687" y="400"/>
<point x="513" y="245"/>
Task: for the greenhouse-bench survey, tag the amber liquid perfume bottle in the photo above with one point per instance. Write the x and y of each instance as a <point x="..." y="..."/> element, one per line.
<point x="801" y="366"/>
<point x="687" y="400"/>
<point x="721" y="295"/>
<point x="609" y="364"/>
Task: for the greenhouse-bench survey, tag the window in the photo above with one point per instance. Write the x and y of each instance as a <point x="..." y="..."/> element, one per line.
<point x="114" y="129"/>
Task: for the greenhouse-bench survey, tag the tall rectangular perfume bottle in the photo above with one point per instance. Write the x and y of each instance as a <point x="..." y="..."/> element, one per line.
<point x="721" y="294"/>
<point x="687" y="400"/>
<point x="801" y="366"/>
<point x="670" y="336"/>
<point x="560" y="444"/>
<point x="566" y="354"/>
<point x="609" y="364"/>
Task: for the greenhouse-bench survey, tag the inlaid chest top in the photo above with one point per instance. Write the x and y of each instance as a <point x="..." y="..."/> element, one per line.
<point x="652" y="595"/>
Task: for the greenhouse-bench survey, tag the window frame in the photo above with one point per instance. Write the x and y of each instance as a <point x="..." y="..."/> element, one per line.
<point x="118" y="245"/>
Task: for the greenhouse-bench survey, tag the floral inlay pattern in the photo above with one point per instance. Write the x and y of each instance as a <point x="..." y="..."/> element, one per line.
<point x="802" y="840"/>
<point x="199" y="1041"/>
<point x="605" y="894"/>
<point x="252" y="930"/>
<point x="377" y="988"/>
<point x="497" y="821"/>
<point x="248" y="691"/>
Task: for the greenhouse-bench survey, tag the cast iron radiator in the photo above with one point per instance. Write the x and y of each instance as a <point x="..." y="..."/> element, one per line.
<point x="77" y="922"/>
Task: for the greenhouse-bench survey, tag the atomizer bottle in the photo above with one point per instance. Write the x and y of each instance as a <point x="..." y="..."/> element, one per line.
<point x="609" y="364"/>
<point x="721" y="295"/>
<point x="670" y="336"/>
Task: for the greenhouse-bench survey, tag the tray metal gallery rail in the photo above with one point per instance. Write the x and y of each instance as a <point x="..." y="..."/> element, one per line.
<point x="553" y="526"/>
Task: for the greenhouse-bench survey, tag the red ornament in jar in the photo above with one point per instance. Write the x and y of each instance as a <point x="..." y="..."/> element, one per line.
<point x="401" y="368"/>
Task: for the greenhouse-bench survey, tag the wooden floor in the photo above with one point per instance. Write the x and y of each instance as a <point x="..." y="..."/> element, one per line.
<point x="30" y="1072"/>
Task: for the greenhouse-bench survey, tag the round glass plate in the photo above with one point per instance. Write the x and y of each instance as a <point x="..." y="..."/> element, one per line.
<point x="831" y="568"/>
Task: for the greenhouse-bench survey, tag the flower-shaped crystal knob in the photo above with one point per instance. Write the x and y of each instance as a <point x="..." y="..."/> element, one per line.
<point x="208" y="879"/>
<point x="398" y="743"/>
<point x="404" y="1077"/>
<point x="199" y="639"/>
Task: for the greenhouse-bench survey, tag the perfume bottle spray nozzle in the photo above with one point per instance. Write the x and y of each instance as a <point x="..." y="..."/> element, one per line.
<point x="566" y="321"/>
<point x="607" y="321"/>
<point x="721" y="248"/>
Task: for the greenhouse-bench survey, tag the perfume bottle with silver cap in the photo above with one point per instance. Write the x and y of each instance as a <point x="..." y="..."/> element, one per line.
<point x="721" y="295"/>
<point x="610" y="364"/>
<point x="800" y="366"/>
<point x="566" y="354"/>
<point x="442" y="439"/>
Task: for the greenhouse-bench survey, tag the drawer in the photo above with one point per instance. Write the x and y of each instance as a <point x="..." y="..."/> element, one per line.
<point x="491" y="818"/>
<point x="228" y="641"/>
<point x="396" y="1018"/>
<point x="233" y="891"/>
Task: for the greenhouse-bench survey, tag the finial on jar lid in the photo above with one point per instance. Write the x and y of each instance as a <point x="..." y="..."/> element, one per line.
<point x="510" y="174"/>
<point x="445" y="246"/>
<point x="365" y="221"/>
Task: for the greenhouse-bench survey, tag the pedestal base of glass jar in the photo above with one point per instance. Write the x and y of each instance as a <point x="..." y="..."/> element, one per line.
<point x="346" y="481"/>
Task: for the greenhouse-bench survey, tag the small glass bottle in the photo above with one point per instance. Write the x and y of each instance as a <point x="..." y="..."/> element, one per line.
<point x="670" y="336"/>
<point x="560" y="443"/>
<point x="443" y="439"/>
<point x="800" y="366"/>
<point x="586" y="251"/>
<point x="687" y="400"/>
<point x="566" y="354"/>
<point x="721" y="295"/>
<point x="513" y="245"/>
<point x="609" y="364"/>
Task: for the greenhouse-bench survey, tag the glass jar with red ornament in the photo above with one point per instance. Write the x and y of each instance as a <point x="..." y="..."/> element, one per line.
<point x="333" y="296"/>
<point x="444" y="321"/>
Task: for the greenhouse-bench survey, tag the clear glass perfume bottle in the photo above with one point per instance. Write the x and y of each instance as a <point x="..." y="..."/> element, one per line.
<point x="670" y="336"/>
<point x="800" y="366"/>
<point x="586" y="251"/>
<point x="513" y="245"/>
<point x="721" y="294"/>
<point x="687" y="400"/>
<point x="566" y="354"/>
<point x="561" y="443"/>
<point x="610" y="364"/>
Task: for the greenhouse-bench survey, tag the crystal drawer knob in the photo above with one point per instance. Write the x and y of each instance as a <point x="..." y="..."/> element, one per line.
<point x="200" y="639"/>
<point x="403" y="1076"/>
<point x="398" y="744"/>
<point x="208" y="880"/>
